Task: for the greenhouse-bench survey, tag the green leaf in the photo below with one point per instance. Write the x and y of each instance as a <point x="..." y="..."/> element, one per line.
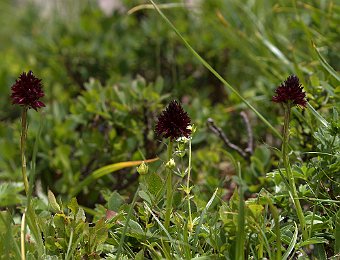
<point x="115" y="201"/>
<point x="135" y="227"/>
<point x="9" y="193"/>
<point x="100" y="232"/>
<point x="145" y="196"/>
<point x="325" y="64"/>
<point x="291" y="244"/>
<point x="140" y="255"/>
<point x="255" y="209"/>
<point x="73" y="206"/>
<point x="154" y="183"/>
<point x="52" y="201"/>
<point x="80" y="215"/>
<point x="312" y="241"/>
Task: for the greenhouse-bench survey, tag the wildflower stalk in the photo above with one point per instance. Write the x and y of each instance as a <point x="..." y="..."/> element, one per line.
<point x="291" y="181"/>
<point x="26" y="92"/>
<point x="23" y="147"/>
<point x="190" y="225"/>
<point x="169" y="191"/>
<point x="172" y="123"/>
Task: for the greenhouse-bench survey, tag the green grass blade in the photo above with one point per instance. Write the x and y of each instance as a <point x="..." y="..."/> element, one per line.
<point x="317" y="115"/>
<point x="198" y="228"/>
<point x="240" y="239"/>
<point x="325" y="64"/>
<point x="69" y="246"/>
<point x="172" y="241"/>
<point x="337" y="233"/>
<point x="291" y="244"/>
<point x="213" y="71"/>
<point x="121" y="241"/>
<point x="105" y="170"/>
<point x="150" y="6"/>
<point x="275" y="213"/>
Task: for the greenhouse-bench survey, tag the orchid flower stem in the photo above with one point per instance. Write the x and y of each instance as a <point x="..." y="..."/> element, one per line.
<point x="24" y="175"/>
<point x="169" y="195"/>
<point x="290" y="176"/>
<point x="23" y="147"/>
<point x="169" y="191"/>
<point x="188" y="188"/>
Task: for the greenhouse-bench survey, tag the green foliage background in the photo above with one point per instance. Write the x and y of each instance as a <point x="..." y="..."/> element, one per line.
<point x="106" y="78"/>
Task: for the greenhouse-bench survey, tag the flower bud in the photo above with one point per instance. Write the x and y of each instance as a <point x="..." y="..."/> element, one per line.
<point x="143" y="168"/>
<point x="170" y="164"/>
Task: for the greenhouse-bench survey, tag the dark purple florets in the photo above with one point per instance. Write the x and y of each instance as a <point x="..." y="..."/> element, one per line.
<point x="291" y="90"/>
<point x="27" y="90"/>
<point x="173" y="122"/>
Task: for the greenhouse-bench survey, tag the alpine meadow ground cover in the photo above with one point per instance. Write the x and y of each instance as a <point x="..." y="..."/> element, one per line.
<point x="169" y="129"/>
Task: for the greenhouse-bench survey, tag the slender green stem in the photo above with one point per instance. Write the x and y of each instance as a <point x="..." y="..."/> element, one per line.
<point x="314" y="211"/>
<point x="23" y="147"/>
<point x="69" y="245"/>
<point x="24" y="175"/>
<point x="169" y="195"/>
<point x="22" y="236"/>
<point x="190" y="225"/>
<point x="289" y="172"/>
<point x="240" y="240"/>
<point x="169" y="191"/>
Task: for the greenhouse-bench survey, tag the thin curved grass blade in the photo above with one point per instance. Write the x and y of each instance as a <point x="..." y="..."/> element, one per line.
<point x="105" y="170"/>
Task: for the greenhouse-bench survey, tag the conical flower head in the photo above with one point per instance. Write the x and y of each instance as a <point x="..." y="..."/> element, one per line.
<point x="27" y="90"/>
<point x="173" y="122"/>
<point x="291" y="91"/>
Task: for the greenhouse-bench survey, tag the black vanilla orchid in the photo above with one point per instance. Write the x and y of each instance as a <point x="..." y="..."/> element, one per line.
<point x="27" y="90"/>
<point x="291" y="91"/>
<point x="173" y="122"/>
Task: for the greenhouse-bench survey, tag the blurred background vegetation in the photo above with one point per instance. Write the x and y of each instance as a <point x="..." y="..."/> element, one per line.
<point x="107" y="74"/>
